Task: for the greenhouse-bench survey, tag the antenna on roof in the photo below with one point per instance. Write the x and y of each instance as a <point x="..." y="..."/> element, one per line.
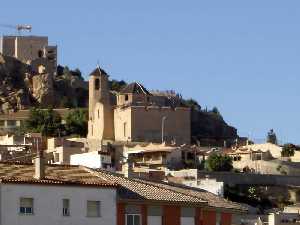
<point x="98" y="66"/>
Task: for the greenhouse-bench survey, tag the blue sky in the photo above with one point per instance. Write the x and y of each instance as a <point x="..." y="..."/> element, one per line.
<point x="241" y="56"/>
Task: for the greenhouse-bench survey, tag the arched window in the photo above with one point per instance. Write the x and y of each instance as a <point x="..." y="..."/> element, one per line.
<point x="97" y="84"/>
<point x="40" y="53"/>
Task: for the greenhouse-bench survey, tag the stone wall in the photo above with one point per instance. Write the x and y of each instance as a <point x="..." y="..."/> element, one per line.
<point x="147" y="124"/>
<point x="252" y="179"/>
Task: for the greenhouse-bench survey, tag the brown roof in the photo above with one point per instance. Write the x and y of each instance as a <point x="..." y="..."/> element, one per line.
<point x="138" y="189"/>
<point x="134" y="189"/>
<point x="212" y="199"/>
<point x="135" y="88"/>
<point x="98" y="72"/>
<point x="55" y="175"/>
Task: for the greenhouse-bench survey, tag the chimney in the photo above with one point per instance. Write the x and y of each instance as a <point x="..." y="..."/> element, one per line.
<point x="39" y="165"/>
<point x="128" y="168"/>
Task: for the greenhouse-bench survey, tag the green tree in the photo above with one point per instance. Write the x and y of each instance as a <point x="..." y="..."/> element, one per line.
<point x="288" y="150"/>
<point x="116" y="85"/>
<point x="193" y="104"/>
<point x="216" y="112"/>
<point x="271" y="137"/>
<point x="77" y="122"/>
<point x="66" y="70"/>
<point x="218" y="162"/>
<point x="45" y="121"/>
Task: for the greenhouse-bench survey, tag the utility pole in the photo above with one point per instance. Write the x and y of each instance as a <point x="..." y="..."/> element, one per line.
<point x="163" y="128"/>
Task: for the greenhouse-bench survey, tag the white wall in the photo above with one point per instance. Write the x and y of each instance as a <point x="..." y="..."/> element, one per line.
<point x="90" y="159"/>
<point x="48" y="205"/>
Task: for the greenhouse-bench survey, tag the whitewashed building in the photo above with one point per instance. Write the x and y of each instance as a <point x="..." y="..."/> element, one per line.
<point x="55" y="195"/>
<point x="95" y="159"/>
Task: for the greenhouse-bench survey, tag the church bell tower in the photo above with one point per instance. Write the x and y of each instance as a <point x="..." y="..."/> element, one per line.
<point x="100" y="108"/>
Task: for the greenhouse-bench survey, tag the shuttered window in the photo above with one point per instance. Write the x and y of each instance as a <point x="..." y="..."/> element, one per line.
<point x="66" y="207"/>
<point x="26" y="206"/>
<point x="93" y="208"/>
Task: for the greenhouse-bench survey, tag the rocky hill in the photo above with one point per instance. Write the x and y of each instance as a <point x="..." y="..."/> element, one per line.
<point x="209" y="128"/>
<point x="21" y="88"/>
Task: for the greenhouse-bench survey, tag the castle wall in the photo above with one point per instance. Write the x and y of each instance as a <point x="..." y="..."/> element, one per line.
<point x="145" y="124"/>
<point x="28" y="47"/>
<point x="8" y="45"/>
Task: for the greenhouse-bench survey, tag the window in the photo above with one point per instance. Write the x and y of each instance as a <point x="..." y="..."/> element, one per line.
<point x="93" y="208"/>
<point x="40" y="53"/>
<point x="97" y="84"/>
<point x="11" y="123"/>
<point x="124" y="129"/>
<point x="66" y="207"/>
<point x="26" y="206"/>
<point x="126" y="98"/>
<point x="133" y="219"/>
<point x="98" y="114"/>
<point x="2" y="123"/>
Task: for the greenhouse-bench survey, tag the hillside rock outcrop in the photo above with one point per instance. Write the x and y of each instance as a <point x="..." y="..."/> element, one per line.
<point x="22" y="88"/>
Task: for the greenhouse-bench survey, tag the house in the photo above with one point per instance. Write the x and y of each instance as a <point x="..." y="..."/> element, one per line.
<point x="154" y="156"/>
<point x="62" y="195"/>
<point x="144" y="202"/>
<point x="273" y="149"/>
<point x="60" y="150"/>
<point x="281" y="218"/>
<point x="189" y="177"/>
<point x="94" y="159"/>
<point x="12" y="121"/>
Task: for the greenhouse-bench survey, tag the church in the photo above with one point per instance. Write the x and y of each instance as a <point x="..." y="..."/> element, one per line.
<point x="134" y="114"/>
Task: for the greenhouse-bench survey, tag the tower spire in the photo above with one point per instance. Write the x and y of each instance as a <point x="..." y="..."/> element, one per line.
<point x="98" y="66"/>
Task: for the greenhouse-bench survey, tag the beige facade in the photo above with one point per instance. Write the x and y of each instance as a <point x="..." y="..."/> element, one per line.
<point x="146" y="124"/>
<point x="135" y="117"/>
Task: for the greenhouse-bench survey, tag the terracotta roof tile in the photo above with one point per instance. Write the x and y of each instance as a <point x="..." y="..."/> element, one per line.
<point x="212" y="199"/>
<point x="135" y="190"/>
<point x="139" y="189"/>
<point x="55" y="175"/>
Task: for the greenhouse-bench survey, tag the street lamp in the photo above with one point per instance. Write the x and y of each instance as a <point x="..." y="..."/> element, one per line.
<point x="163" y="128"/>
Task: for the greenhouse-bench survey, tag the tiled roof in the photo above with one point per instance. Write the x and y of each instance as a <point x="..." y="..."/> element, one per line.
<point x="98" y="72"/>
<point x="134" y="189"/>
<point x="138" y="189"/>
<point x="135" y="88"/>
<point x="55" y="175"/>
<point x="212" y="199"/>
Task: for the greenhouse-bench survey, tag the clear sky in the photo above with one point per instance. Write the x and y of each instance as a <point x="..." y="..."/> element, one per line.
<point x="241" y="56"/>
